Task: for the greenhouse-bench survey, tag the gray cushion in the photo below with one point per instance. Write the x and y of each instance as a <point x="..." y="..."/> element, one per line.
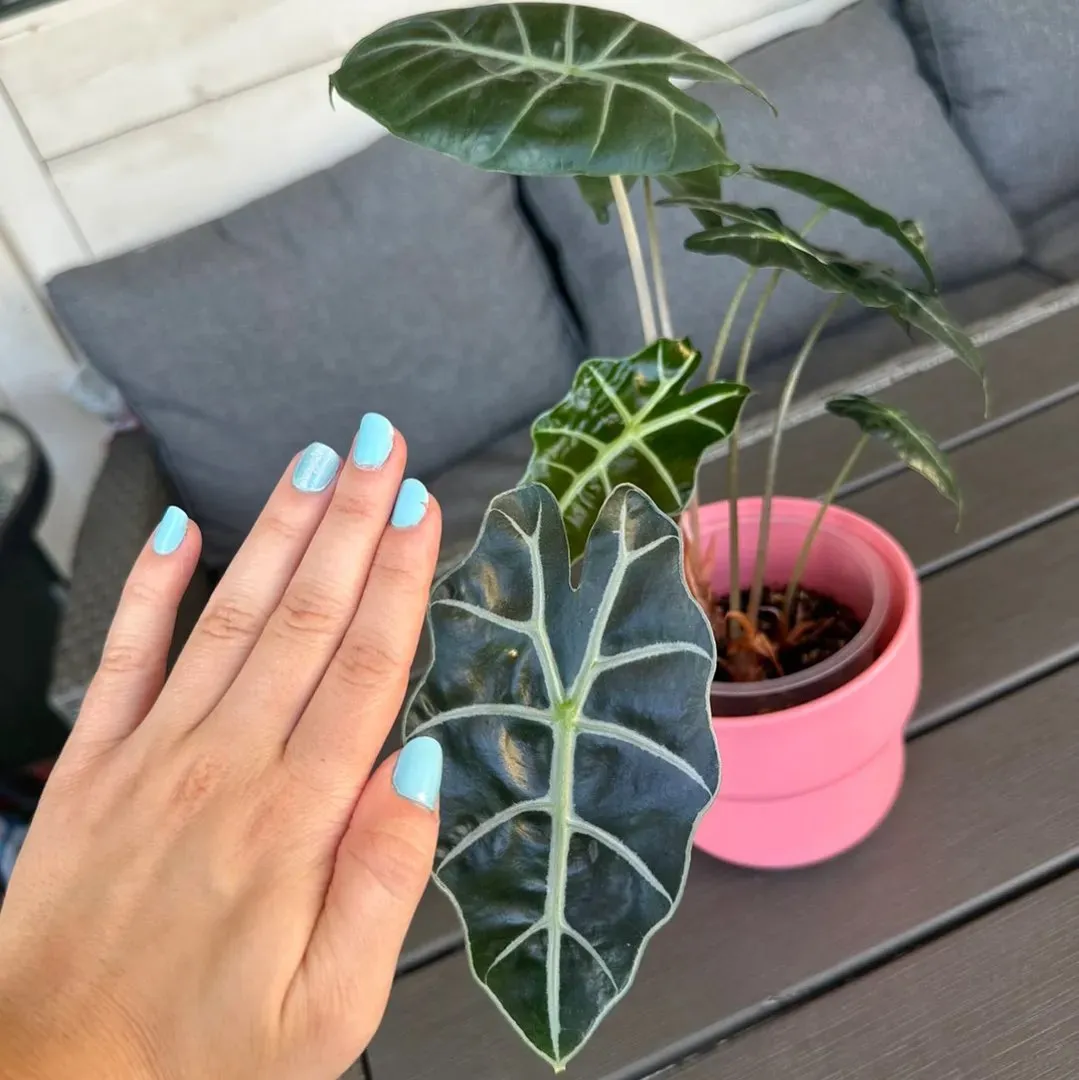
<point x="397" y="281"/>
<point x="1053" y="241"/>
<point x="852" y="107"/>
<point x="1010" y="69"/>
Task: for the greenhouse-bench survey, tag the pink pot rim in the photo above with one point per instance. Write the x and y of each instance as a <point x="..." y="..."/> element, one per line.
<point x="881" y="539"/>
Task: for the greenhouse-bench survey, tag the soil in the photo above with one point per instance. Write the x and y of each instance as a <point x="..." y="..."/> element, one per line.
<point x="820" y="628"/>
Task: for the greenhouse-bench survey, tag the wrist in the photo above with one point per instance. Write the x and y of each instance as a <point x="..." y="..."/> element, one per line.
<point x="36" y="1045"/>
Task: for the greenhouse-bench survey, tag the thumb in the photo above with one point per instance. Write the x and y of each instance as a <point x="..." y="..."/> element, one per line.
<point x="383" y="864"/>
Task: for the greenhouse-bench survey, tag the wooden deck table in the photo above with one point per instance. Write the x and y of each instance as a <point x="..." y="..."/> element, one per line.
<point x="945" y="947"/>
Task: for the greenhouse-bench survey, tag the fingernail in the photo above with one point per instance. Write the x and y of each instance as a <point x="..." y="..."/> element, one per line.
<point x="316" y="468"/>
<point x="374" y="441"/>
<point x="411" y="505"/>
<point x="417" y="776"/>
<point x="170" y="532"/>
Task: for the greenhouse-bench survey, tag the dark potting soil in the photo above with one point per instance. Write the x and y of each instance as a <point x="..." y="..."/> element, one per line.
<point x="820" y="627"/>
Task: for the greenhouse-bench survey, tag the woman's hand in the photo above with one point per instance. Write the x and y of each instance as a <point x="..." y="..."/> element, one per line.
<point x="216" y="884"/>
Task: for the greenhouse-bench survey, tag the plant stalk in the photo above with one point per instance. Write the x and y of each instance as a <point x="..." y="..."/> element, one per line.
<point x="636" y="259"/>
<point x="659" y="279"/>
<point x="728" y="325"/>
<point x="735" y="603"/>
<point x="694" y="505"/>
<point x="732" y="452"/>
<point x="789" y="387"/>
<point x="807" y="543"/>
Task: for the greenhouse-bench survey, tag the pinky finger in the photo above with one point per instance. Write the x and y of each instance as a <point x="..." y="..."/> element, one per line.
<point x="131" y="672"/>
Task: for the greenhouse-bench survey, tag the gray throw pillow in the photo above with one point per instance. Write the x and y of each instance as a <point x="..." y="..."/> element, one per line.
<point x="1010" y="69"/>
<point x="852" y="107"/>
<point x="397" y="281"/>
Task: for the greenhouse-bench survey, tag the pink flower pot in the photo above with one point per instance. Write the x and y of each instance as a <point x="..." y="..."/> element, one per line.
<point x="806" y="781"/>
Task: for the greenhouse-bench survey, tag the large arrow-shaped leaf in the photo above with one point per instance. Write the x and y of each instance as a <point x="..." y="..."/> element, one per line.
<point x="914" y="446"/>
<point x="630" y="422"/>
<point x="540" y="89"/>
<point x="906" y="234"/>
<point x="759" y="237"/>
<point x="579" y="754"/>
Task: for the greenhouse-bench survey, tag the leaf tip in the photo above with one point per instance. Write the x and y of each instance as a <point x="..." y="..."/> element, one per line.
<point x="758" y="92"/>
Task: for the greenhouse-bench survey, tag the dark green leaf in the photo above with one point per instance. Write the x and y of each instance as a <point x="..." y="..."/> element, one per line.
<point x="630" y="422"/>
<point x="701" y="183"/>
<point x="579" y="754"/>
<point x="707" y="182"/>
<point x="540" y="89"/>
<point x="759" y="238"/>
<point x="596" y="191"/>
<point x="914" y="446"/>
<point x="906" y="234"/>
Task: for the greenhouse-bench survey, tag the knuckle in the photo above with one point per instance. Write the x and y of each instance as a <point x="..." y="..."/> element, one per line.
<point x="356" y="504"/>
<point x="395" y="860"/>
<point x="122" y="657"/>
<point x="230" y="620"/>
<point x="284" y="528"/>
<point x="139" y="591"/>
<point x="311" y="609"/>
<point x="198" y="779"/>
<point x="364" y="661"/>
<point x="398" y="572"/>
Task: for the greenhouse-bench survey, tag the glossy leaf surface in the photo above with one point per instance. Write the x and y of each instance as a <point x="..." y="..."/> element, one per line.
<point x="540" y="89"/>
<point x="914" y="446"/>
<point x="630" y="421"/>
<point x="579" y="754"/>
<point x="760" y="238"/>
<point x="907" y="234"/>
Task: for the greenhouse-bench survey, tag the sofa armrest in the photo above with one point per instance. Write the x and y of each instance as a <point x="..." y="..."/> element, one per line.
<point x="127" y="501"/>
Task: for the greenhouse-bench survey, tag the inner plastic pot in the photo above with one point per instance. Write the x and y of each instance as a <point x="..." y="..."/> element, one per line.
<point x="840" y="566"/>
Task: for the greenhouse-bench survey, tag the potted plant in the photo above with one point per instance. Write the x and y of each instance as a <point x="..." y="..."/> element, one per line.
<point x="591" y="651"/>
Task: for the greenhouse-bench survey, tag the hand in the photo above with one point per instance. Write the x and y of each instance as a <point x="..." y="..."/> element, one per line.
<point x="215" y="884"/>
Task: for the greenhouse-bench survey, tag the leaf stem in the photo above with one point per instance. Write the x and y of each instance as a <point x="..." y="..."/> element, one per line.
<point x="728" y="324"/>
<point x="659" y="279"/>
<point x="636" y="259"/>
<point x="732" y="453"/>
<point x="807" y="544"/>
<point x="789" y="387"/>
<point x="735" y="602"/>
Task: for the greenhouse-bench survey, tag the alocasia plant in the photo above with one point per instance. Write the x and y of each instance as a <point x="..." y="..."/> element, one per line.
<point x="579" y="753"/>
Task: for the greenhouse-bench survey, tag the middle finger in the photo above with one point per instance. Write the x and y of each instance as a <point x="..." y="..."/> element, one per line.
<point x="303" y="633"/>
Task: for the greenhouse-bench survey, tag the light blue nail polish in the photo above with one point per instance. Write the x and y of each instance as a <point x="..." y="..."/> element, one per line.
<point x="411" y="505"/>
<point x="374" y="441"/>
<point x="417" y="776"/>
<point x="170" y="532"/>
<point x="316" y="468"/>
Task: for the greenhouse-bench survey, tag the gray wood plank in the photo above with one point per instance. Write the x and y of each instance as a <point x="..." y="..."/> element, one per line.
<point x="1023" y="369"/>
<point x="996" y="1000"/>
<point x="1006" y="478"/>
<point x="987" y="798"/>
<point x="991" y="619"/>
